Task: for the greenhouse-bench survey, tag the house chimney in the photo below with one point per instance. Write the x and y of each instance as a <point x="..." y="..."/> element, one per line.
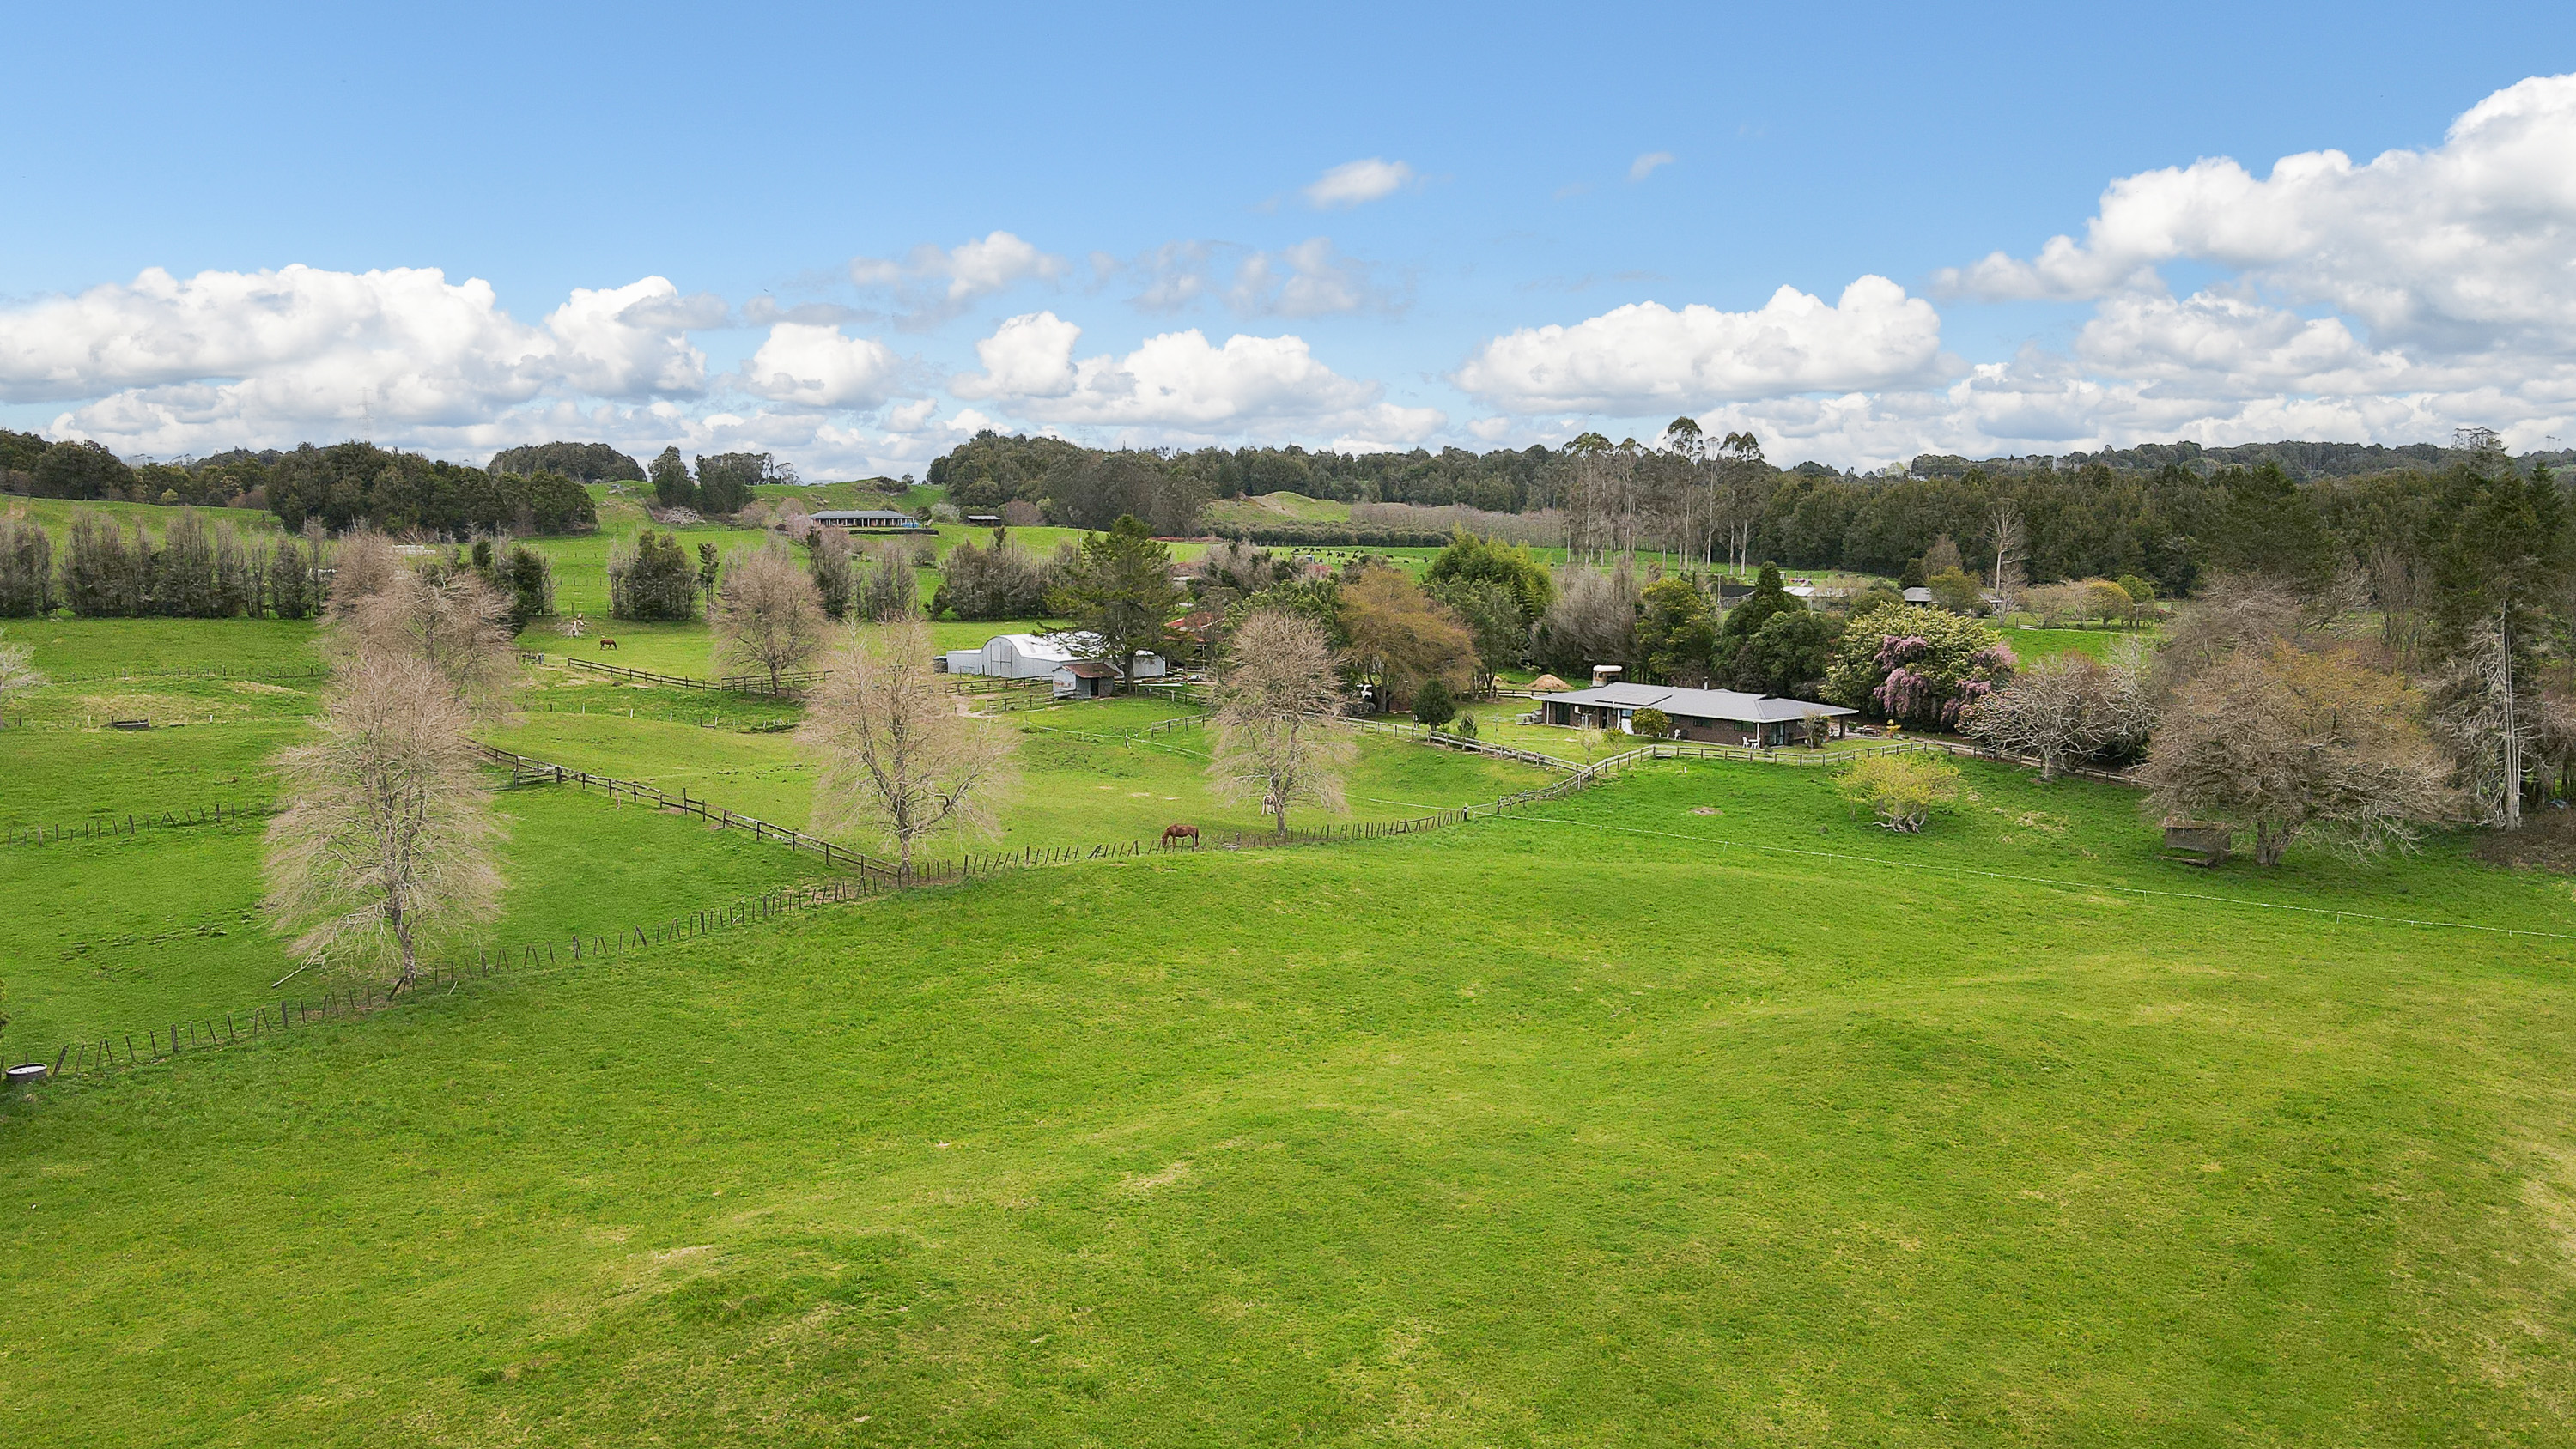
<point x="1604" y="674"/>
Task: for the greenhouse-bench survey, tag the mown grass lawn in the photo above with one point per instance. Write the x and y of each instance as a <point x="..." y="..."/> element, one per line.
<point x="1580" y="1127"/>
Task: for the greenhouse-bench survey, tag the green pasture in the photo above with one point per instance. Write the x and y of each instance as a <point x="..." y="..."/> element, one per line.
<point x="687" y="648"/>
<point x="121" y="934"/>
<point x="55" y="515"/>
<point x="2031" y="644"/>
<point x="1087" y="776"/>
<point x="1688" y="1111"/>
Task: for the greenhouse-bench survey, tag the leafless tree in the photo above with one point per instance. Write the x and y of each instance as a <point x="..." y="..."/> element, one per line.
<point x="2285" y="744"/>
<point x="2491" y="725"/>
<point x="2400" y="589"/>
<point x="2006" y="532"/>
<point x="363" y="565"/>
<point x="896" y="755"/>
<point x="2050" y="604"/>
<point x="2065" y="709"/>
<point x="388" y="834"/>
<point x="769" y="616"/>
<point x="18" y="675"/>
<point x="1276" y="742"/>
<point x="452" y="621"/>
<point x="2233" y="612"/>
<point x="1593" y="620"/>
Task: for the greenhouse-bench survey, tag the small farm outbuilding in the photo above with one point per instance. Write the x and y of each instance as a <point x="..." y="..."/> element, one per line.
<point x="1084" y="679"/>
<point x="1718" y="716"/>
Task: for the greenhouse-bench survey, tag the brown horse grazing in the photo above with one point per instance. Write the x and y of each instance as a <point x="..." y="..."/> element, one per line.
<point x="607" y="643"/>
<point x="1180" y="832"/>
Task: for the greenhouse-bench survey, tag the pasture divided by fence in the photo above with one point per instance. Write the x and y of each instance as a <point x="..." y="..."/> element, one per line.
<point x="873" y="878"/>
<point x="109" y="825"/>
<point x="790" y="684"/>
<point x="202" y="1032"/>
<point x="293" y="671"/>
<point x="527" y="771"/>
<point x="996" y="684"/>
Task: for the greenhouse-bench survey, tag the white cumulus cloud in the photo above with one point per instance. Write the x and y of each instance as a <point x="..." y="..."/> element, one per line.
<point x="818" y="367"/>
<point x="170" y="364"/>
<point x="1354" y="183"/>
<point x="1644" y="166"/>
<point x="934" y="283"/>
<point x="1646" y="357"/>
<point x="1179" y="384"/>
<point x="2463" y="247"/>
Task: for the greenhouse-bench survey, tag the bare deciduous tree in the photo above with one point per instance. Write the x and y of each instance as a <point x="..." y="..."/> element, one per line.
<point x="18" y="675"/>
<point x="2233" y="612"/>
<point x="363" y="565"/>
<point x="454" y="623"/>
<point x="769" y="616"/>
<point x="896" y="756"/>
<point x="2287" y="744"/>
<point x="388" y="833"/>
<point x="2065" y="709"/>
<point x="1275" y="740"/>
<point x="2491" y="724"/>
<point x="2005" y="530"/>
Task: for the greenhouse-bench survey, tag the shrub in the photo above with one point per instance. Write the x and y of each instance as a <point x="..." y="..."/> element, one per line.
<point x="1901" y="790"/>
<point x="1919" y="665"/>
<point x="1650" y="723"/>
<point x="1433" y="705"/>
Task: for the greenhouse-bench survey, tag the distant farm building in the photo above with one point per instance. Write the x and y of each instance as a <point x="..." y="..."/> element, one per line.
<point x="983" y="520"/>
<point x="871" y="520"/>
<point x="1039" y="656"/>
<point x="1084" y="679"/>
<point x="1719" y="716"/>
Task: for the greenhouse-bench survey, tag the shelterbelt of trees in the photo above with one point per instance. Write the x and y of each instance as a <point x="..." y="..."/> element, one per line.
<point x="2166" y="513"/>
<point x="338" y="485"/>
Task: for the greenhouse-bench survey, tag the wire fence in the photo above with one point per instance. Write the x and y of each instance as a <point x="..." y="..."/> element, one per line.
<point x="870" y="878"/>
<point x="527" y="771"/>
<point x="996" y="684"/>
<point x="287" y="1014"/>
<point x="788" y="684"/>
<point x="111" y="825"/>
<point x="294" y="671"/>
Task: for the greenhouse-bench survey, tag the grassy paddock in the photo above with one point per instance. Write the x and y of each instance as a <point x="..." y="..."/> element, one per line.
<point x="1524" y="1132"/>
<point x="2033" y="644"/>
<point x="64" y="646"/>
<point x="1082" y="782"/>
<point x="165" y="925"/>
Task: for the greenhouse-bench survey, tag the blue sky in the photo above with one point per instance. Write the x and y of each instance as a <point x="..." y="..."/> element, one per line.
<point x="848" y="234"/>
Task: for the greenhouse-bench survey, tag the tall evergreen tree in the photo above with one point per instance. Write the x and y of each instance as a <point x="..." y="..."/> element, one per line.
<point x="2269" y="527"/>
<point x="671" y="485"/>
<point x="1119" y="590"/>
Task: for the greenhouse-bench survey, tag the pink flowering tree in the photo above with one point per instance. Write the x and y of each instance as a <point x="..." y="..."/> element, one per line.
<point x="1917" y="666"/>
